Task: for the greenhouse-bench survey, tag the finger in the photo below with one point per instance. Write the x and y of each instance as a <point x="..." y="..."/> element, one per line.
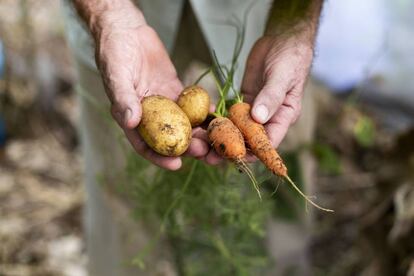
<point x="126" y="109"/>
<point x="278" y="126"/>
<point x="200" y="133"/>
<point x="198" y="148"/>
<point x="251" y="84"/>
<point x="169" y="163"/>
<point x="212" y="108"/>
<point x="253" y="77"/>
<point x="126" y="105"/>
<point x="269" y="99"/>
<point x="294" y="100"/>
<point x="170" y="89"/>
<point x="200" y="144"/>
<point x="213" y="158"/>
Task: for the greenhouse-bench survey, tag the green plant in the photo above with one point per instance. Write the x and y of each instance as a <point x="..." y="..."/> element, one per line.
<point x="210" y="214"/>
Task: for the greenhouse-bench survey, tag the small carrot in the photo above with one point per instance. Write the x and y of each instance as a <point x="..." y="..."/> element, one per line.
<point x="256" y="137"/>
<point x="261" y="146"/>
<point x="226" y="139"/>
<point x="239" y="113"/>
<point x="228" y="142"/>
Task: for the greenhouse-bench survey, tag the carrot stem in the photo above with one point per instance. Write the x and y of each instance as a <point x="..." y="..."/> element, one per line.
<point x="179" y="196"/>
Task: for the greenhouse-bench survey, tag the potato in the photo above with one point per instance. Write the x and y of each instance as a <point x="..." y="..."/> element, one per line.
<point x="164" y="126"/>
<point x="195" y="102"/>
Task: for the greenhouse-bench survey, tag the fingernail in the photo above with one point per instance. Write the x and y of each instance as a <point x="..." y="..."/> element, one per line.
<point x="127" y="116"/>
<point x="175" y="165"/>
<point x="261" y="113"/>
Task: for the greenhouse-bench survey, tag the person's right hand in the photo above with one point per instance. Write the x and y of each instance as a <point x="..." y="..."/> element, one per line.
<point x="134" y="63"/>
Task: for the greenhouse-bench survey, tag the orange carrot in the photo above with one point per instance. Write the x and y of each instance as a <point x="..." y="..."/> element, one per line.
<point x="253" y="132"/>
<point x="228" y="142"/>
<point x="256" y="138"/>
<point x="261" y="146"/>
<point x="226" y="139"/>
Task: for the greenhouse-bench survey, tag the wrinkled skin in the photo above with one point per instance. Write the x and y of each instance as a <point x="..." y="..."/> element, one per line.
<point x="134" y="63"/>
<point x="273" y="82"/>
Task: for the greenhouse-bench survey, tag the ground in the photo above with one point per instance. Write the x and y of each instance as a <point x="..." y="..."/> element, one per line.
<point x="40" y="166"/>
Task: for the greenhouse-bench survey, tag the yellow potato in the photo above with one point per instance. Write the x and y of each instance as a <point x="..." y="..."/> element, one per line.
<point x="164" y="126"/>
<point x="195" y="102"/>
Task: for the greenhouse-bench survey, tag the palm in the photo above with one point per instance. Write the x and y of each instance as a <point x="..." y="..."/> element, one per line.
<point x="134" y="64"/>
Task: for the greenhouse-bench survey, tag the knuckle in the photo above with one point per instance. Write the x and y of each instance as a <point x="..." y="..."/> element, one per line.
<point x="270" y="95"/>
<point x="124" y="98"/>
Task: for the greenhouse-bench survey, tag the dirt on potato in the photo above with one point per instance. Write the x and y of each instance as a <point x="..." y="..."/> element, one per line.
<point x="164" y="126"/>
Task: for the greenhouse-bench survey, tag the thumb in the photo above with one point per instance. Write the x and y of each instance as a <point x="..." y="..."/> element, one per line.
<point x="267" y="102"/>
<point x="126" y="109"/>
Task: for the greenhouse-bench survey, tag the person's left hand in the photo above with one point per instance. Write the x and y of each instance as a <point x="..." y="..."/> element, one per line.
<point x="273" y="82"/>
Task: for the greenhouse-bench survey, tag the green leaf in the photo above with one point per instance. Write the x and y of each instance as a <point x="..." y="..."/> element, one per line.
<point x="327" y="158"/>
<point x="364" y="131"/>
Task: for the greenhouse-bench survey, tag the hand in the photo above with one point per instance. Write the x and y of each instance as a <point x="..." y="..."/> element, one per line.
<point x="133" y="64"/>
<point x="276" y="72"/>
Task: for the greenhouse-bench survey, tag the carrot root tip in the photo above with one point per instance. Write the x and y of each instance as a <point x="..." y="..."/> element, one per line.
<point x="307" y="198"/>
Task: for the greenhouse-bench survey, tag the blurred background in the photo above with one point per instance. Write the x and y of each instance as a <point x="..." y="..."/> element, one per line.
<point x="364" y="141"/>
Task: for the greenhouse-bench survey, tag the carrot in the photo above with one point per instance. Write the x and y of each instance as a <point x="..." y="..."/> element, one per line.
<point x="261" y="146"/>
<point x="228" y="142"/>
<point x="255" y="135"/>
<point x="239" y="113"/>
<point x="226" y="139"/>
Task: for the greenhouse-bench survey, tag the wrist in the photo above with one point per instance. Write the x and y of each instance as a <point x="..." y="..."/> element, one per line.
<point x="294" y="18"/>
<point x="300" y="43"/>
<point x="100" y="15"/>
<point x="122" y="18"/>
<point x="304" y="32"/>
